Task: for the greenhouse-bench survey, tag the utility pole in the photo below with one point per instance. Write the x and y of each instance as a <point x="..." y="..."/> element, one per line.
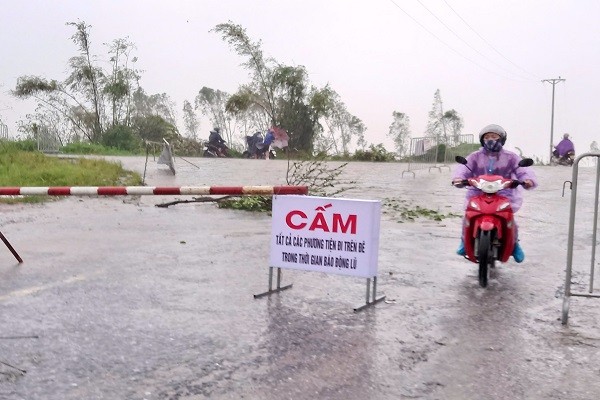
<point x="553" y="82"/>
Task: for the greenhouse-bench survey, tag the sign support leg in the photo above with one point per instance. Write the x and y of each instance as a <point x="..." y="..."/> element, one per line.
<point x="374" y="300"/>
<point x="279" y="288"/>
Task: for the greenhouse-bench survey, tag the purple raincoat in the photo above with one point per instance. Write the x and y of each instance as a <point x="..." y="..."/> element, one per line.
<point x="564" y="146"/>
<point x="502" y="163"/>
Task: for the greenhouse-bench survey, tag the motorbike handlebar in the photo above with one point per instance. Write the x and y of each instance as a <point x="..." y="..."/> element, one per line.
<point x="465" y="182"/>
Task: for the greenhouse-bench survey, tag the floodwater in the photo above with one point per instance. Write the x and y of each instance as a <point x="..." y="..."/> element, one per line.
<point x="119" y="299"/>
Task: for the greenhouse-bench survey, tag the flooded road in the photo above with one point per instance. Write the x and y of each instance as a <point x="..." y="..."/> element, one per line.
<point x="119" y="299"/>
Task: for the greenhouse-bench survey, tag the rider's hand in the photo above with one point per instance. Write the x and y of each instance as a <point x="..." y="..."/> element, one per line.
<point x="458" y="182"/>
<point x="527" y="183"/>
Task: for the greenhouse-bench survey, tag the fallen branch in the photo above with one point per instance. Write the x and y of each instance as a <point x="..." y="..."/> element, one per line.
<point x="195" y="200"/>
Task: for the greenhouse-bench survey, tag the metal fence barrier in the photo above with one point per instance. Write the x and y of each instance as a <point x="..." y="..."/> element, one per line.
<point x="454" y="149"/>
<point x="3" y="131"/>
<point x="569" y="271"/>
<point x="424" y="152"/>
<point x="47" y="140"/>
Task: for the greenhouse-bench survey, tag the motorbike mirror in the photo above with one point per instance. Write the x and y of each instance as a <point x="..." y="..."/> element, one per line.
<point x="526" y="162"/>
<point x="461" y="160"/>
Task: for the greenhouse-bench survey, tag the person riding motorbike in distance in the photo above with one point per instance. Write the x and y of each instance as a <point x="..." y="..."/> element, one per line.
<point x="269" y="138"/>
<point x="492" y="158"/>
<point x="215" y="137"/>
<point x="563" y="148"/>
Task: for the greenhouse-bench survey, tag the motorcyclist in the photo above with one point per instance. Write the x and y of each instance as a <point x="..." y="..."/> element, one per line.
<point x="564" y="147"/>
<point x="215" y="137"/>
<point x="492" y="158"/>
<point x="266" y="144"/>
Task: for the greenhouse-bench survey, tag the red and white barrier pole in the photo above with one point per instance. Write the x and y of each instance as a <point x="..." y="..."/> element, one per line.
<point x="145" y="190"/>
<point x="153" y="190"/>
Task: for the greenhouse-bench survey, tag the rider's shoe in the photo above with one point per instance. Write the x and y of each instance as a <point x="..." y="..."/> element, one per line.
<point x="461" y="249"/>
<point x="518" y="253"/>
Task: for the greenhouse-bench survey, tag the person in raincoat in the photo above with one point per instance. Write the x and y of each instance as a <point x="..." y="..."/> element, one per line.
<point x="564" y="147"/>
<point x="492" y="158"/>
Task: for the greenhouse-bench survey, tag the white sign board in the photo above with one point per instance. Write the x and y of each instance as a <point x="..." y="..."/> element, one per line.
<point x="337" y="236"/>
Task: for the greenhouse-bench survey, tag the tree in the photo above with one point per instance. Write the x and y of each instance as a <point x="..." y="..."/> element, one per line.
<point x="343" y="130"/>
<point x="280" y="92"/>
<point x="91" y="100"/>
<point x="212" y="103"/>
<point x="118" y="86"/>
<point x="435" y="124"/>
<point x="441" y="125"/>
<point x="400" y="133"/>
<point x="84" y="80"/>
<point x="191" y="123"/>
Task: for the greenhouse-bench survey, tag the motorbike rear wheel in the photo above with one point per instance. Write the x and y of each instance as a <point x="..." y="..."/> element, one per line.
<point x="485" y="256"/>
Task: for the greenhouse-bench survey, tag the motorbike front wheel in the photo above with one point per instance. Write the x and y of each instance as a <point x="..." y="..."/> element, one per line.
<point x="485" y="256"/>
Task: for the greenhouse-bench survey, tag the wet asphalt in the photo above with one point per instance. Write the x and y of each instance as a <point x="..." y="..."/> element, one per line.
<point x="120" y="299"/>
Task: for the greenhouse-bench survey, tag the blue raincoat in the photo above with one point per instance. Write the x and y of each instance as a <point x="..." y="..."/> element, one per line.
<point x="502" y="163"/>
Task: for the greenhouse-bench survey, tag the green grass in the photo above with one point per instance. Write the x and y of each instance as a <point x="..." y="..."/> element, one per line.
<point x="28" y="168"/>
<point x="402" y="211"/>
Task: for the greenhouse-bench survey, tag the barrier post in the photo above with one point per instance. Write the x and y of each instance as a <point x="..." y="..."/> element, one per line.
<point x="568" y="273"/>
<point x="12" y="250"/>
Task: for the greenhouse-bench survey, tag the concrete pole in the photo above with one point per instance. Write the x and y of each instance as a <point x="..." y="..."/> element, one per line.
<point x="553" y="82"/>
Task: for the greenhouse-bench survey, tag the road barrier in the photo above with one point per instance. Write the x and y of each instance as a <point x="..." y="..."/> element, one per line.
<point x="144" y="191"/>
<point x="423" y="154"/>
<point x="152" y="190"/>
<point x="569" y="270"/>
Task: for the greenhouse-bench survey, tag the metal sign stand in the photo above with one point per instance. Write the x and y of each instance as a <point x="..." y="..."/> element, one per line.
<point x="370" y="300"/>
<point x="12" y="250"/>
<point x="374" y="299"/>
<point x="279" y="288"/>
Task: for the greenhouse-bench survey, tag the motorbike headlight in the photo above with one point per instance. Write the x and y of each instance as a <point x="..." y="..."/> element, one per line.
<point x="503" y="206"/>
<point x="473" y="205"/>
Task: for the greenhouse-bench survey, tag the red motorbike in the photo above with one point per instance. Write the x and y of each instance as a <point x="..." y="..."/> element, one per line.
<point x="489" y="231"/>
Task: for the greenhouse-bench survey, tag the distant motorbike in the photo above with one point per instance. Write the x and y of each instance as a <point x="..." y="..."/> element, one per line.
<point x="566" y="159"/>
<point x="255" y="147"/>
<point x="212" y="149"/>
<point x="489" y="232"/>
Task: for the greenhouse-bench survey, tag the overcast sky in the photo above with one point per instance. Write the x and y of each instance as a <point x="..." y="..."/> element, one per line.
<point x="487" y="58"/>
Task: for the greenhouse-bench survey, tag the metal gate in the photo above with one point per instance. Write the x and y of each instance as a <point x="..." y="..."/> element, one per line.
<point x="47" y="140"/>
<point x="569" y="270"/>
<point x="3" y="131"/>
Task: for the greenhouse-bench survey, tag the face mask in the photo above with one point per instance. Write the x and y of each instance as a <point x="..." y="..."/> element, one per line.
<point x="493" y="145"/>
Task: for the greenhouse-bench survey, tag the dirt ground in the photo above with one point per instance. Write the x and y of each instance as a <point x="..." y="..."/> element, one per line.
<point x="119" y="299"/>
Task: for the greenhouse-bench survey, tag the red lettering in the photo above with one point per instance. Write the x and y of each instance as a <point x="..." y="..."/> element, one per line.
<point x="319" y="223"/>
<point x="339" y="225"/>
<point x="291" y="224"/>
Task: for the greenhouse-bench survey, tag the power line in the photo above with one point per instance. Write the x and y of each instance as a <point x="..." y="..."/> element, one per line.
<point x="485" y="41"/>
<point x="446" y="44"/>
<point x="462" y="40"/>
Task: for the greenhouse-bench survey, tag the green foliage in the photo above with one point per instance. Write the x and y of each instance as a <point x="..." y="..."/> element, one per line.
<point x="155" y="128"/>
<point x="374" y="153"/>
<point x="91" y="148"/>
<point x="122" y="138"/>
<point x="21" y="168"/>
<point x="248" y="203"/>
<point x="278" y="92"/>
<point x="23" y="145"/>
<point x="403" y="211"/>
<point x="32" y="85"/>
<point x="321" y="179"/>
